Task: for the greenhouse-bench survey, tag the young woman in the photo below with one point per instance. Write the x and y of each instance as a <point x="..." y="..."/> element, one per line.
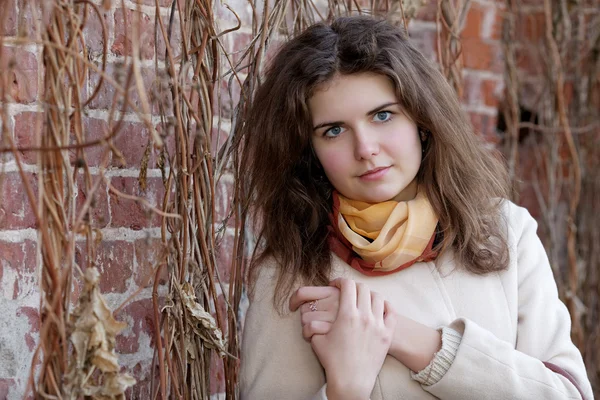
<point x="390" y="264"/>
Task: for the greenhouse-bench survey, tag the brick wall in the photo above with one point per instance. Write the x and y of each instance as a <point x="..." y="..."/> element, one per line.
<point x="130" y="235"/>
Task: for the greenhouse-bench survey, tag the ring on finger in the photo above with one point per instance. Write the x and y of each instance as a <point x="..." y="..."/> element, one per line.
<point x="313" y="305"/>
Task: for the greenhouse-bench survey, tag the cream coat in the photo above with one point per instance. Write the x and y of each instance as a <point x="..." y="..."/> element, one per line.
<point x="510" y="322"/>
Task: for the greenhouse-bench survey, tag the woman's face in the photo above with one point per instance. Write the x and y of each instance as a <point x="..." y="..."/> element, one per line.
<point x="369" y="148"/>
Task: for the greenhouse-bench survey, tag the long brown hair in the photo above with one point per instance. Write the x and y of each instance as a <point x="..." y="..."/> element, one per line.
<point x="287" y="189"/>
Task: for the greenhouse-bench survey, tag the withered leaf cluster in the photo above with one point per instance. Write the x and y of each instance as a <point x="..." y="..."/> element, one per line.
<point x="93" y="365"/>
<point x="201" y="323"/>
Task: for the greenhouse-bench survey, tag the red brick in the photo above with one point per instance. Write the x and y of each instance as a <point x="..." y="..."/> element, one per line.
<point x="485" y="125"/>
<point x="132" y="141"/>
<point x="529" y="60"/>
<point x="19" y="69"/>
<point x="225" y="251"/>
<point x="139" y="316"/>
<point x="93" y="129"/>
<point x="21" y="259"/>
<point x="132" y="214"/>
<point x="30" y="20"/>
<point x="92" y="31"/>
<point x="15" y="209"/>
<point x="217" y="373"/>
<point x="496" y="29"/>
<point x="471" y="94"/>
<point x="481" y="55"/>
<point x="531" y="27"/>
<point x="28" y="128"/>
<point x="122" y="45"/>
<point x="143" y="376"/>
<point x="167" y="133"/>
<point x="33" y="316"/>
<point x="158" y="91"/>
<point x="175" y="39"/>
<point x="97" y="214"/>
<point x="489" y="89"/>
<point x="114" y="261"/>
<point x="474" y="22"/>
<point x="106" y="94"/>
<point x="8" y="19"/>
<point x="148" y="254"/>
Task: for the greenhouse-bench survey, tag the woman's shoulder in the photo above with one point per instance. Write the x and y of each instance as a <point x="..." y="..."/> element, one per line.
<point x="516" y="218"/>
<point x="264" y="279"/>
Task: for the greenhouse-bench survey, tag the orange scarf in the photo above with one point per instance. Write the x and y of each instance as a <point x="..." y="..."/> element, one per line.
<point x="382" y="238"/>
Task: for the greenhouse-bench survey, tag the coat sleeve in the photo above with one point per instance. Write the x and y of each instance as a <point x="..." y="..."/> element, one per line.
<point x="276" y="362"/>
<point x="544" y="364"/>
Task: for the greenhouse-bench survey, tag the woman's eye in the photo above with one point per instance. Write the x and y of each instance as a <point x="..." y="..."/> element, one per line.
<point x="382" y="116"/>
<point x="333" y="131"/>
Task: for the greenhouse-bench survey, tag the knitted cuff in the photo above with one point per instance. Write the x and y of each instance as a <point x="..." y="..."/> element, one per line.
<point x="442" y="360"/>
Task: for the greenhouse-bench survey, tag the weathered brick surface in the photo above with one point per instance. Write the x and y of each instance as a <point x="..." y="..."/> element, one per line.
<point x="132" y="140"/>
<point x="115" y="264"/>
<point x="148" y="254"/>
<point x="482" y="91"/>
<point x="27" y="129"/>
<point x="485" y="125"/>
<point x="19" y="68"/>
<point x="98" y="30"/>
<point x="124" y="30"/>
<point x="8" y="24"/>
<point x="93" y="129"/>
<point x="155" y="87"/>
<point x="17" y="269"/>
<point x="139" y="316"/>
<point x="15" y="209"/>
<point x="133" y="214"/>
<point x="97" y="213"/>
<point x="483" y="55"/>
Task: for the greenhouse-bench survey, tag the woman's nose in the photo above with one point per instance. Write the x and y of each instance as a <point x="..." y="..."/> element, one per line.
<point x="366" y="144"/>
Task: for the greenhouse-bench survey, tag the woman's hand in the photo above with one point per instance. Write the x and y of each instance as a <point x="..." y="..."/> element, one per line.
<point x="413" y="344"/>
<point x="357" y="341"/>
<point x="318" y="307"/>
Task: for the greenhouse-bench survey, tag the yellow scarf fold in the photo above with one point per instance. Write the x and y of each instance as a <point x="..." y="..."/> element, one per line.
<point x="399" y="232"/>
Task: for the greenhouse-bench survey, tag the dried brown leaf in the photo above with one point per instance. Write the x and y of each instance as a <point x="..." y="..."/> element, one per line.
<point x="106" y="361"/>
<point x="202" y="323"/>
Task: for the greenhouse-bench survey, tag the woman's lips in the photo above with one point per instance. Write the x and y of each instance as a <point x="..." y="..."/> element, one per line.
<point x="375" y="174"/>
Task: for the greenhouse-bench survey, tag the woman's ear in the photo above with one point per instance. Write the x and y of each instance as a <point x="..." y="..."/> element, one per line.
<point x="424" y="134"/>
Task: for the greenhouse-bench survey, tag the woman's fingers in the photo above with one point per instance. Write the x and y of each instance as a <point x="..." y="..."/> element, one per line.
<point x="317" y="316"/>
<point x="309" y="293"/>
<point x="377" y="305"/>
<point x="363" y="298"/>
<point x="347" y="293"/>
<point x="315" y="328"/>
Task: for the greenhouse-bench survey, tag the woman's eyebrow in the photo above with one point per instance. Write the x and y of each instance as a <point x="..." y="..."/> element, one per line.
<point x="381" y="107"/>
<point x="324" y="124"/>
<point x="373" y="111"/>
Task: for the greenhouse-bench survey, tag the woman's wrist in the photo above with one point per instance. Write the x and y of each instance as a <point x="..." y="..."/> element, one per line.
<point x="342" y="390"/>
<point x="414" y="344"/>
